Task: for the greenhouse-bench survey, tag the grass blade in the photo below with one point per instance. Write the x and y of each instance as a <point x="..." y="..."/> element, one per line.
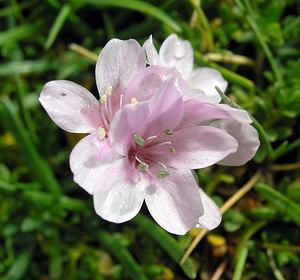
<point x="280" y="201"/>
<point x="122" y="255"/>
<point x="57" y="25"/>
<point x="38" y="166"/>
<point x="134" y="5"/>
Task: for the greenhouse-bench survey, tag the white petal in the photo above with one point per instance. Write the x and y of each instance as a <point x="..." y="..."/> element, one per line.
<point x="178" y="53"/>
<point x="151" y="52"/>
<point x="89" y="159"/>
<point x="206" y="79"/>
<point x="118" y="199"/>
<point x="174" y="202"/>
<point x="117" y="63"/>
<point x="211" y="217"/>
<point x="70" y="106"/>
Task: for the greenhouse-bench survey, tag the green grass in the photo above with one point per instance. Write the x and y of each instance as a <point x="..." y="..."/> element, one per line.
<point x="48" y="227"/>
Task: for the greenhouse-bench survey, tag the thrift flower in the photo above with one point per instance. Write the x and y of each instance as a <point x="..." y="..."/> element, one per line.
<point x="199" y="84"/>
<point x="155" y="144"/>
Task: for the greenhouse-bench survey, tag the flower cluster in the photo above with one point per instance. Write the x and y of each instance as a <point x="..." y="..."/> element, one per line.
<point x="157" y="119"/>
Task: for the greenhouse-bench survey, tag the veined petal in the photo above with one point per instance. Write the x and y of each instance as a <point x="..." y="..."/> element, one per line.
<point x="178" y="53"/>
<point x="200" y="146"/>
<point x="117" y="63"/>
<point x="239" y="115"/>
<point x="151" y="52"/>
<point x="89" y="159"/>
<point x="70" y="106"/>
<point x="248" y="142"/>
<point x="211" y="217"/>
<point x="118" y="199"/>
<point x="206" y="79"/>
<point x="174" y="202"/>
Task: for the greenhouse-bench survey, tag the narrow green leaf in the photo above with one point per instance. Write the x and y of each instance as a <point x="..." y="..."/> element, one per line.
<point x="167" y="242"/>
<point x="240" y="264"/>
<point x="134" y="5"/>
<point x="38" y="166"/>
<point x="113" y="246"/>
<point x="26" y="67"/>
<point x="280" y="201"/>
<point x="18" y="269"/>
<point x="57" y="25"/>
<point x="17" y="33"/>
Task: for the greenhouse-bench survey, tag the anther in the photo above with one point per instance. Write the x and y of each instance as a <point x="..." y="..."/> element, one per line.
<point x="101" y="132"/>
<point x="103" y="99"/>
<point x="133" y="101"/>
<point x="142" y="166"/>
<point x="169" y="132"/>
<point x="172" y="150"/>
<point x="138" y="139"/>
<point x="108" y="91"/>
<point x="162" y="173"/>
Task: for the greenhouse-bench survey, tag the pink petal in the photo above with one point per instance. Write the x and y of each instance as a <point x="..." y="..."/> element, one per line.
<point x="212" y="216"/>
<point x="206" y="79"/>
<point x="89" y="159"/>
<point x="174" y="202"/>
<point x="248" y="142"/>
<point x="117" y="63"/>
<point x="118" y="199"/>
<point x="178" y="53"/>
<point x="200" y="146"/>
<point x="151" y="52"/>
<point x="70" y="106"/>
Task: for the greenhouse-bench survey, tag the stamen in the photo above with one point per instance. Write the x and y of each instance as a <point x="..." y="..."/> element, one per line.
<point x="121" y="100"/>
<point x="138" y="139"/>
<point x="164" y="143"/>
<point x="134" y="101"/>
<point x="101" y="132"/>
<point x="172" y="150"/>
<point x="142" y="166"/>
<point x="158" y="162"/>
<point x="162" y="174"/>
<point x="108" y="91"/>
<point x="103" y="99"/>
<point x="169" y="132"/>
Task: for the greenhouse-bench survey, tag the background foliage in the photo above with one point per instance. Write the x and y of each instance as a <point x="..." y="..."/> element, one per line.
<point x="48" y="228"/>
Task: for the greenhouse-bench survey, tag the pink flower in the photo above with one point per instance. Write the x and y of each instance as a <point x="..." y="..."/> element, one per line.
<point x="199" y="84"/>
<point x="148" y="131"/>
<point x="154" y="146"/>
<point x="178" y="53"/>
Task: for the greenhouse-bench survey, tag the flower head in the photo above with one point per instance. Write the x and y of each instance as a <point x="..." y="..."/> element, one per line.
<point x="151" y="126"/>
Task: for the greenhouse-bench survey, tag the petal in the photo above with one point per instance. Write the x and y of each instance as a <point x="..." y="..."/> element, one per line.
<point x="248" y="142"/>
<point x="238" y="114"/>
<point x="196" y="112"/>
<point x="212" y="216"/>
<point x="151" y="52"/>
<point x="164" y="110"/>
<point x="117" y="63"/>
<point x="200" y="146"/>
<point x="206" y="79"/>
<point x="89" y="159"/>
<point x="178" y="53"/>
<point x="174" y="202"/>
<point x="118" y="199"/>
<point x="70" y="106"/>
